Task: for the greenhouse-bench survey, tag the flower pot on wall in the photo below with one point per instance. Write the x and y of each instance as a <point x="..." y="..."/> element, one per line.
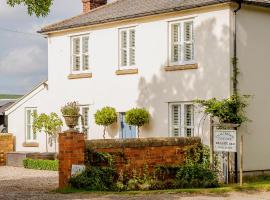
<point x="71" y="120"/>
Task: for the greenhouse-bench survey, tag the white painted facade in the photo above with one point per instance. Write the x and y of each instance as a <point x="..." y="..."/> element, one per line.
<point x="154" y="88"/>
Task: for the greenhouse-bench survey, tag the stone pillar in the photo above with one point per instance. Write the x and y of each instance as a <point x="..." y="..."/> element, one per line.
<point x="71" y="152"/>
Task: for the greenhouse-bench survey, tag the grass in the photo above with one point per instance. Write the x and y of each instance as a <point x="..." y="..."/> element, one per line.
<point x="255" y="184"/>
<point x="10" y="96"/>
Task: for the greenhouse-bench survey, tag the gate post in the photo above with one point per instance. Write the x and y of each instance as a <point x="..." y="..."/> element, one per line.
<point x="71" y="152"/>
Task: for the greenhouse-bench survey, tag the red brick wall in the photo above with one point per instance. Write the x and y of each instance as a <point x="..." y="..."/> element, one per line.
<point x="136" y="153"/>
<point x="71" y="152"/>
<point x="6" y="146"/>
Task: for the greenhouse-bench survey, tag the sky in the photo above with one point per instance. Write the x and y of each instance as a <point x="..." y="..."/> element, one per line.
<point x="23" y="57"/>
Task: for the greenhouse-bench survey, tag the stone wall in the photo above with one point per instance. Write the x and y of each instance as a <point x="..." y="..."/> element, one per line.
<point x="6" y="146"/>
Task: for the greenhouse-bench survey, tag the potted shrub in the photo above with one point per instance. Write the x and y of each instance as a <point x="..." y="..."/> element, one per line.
<point x="105" y="117"/>
<point x="137" y="117"/>
<point x="71" y="114"/>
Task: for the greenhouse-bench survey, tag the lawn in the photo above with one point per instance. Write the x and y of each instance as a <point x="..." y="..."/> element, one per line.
<point x="255" y="184"/>
<point x="9" y="96"/>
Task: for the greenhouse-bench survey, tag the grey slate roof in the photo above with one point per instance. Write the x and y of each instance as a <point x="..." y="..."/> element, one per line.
<point x="127" y="9"/>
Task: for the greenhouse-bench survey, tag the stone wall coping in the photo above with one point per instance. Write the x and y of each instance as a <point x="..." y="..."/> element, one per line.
<point x="142" y="142"/>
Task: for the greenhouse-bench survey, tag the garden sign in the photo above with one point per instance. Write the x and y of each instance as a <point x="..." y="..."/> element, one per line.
<point x="225" y="141"/>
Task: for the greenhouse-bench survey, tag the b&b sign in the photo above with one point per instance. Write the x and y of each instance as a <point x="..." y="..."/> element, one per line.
<point x="225" y="141"/>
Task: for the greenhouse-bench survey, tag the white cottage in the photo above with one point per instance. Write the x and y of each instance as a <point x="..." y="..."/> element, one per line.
<point x="160" y="55"/>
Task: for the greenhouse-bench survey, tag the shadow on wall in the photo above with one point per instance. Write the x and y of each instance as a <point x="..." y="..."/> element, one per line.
<point x="211" y="79"/>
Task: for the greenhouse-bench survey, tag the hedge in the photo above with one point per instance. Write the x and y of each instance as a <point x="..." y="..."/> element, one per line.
<point x="50" y="165"/>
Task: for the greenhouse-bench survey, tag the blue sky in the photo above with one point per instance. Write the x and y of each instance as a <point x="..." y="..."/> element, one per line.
<point x="23" y="57"/>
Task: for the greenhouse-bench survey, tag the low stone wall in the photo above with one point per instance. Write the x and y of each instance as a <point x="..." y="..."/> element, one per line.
<point x="6" y="146"/>
<point x="135" y="154"/>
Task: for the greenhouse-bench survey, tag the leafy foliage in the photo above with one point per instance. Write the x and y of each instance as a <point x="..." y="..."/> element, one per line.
<point x="37" y="7"/>
<point x="50" y="124"/>
<point x="96" y="179"/>
<point x="105" y="117"/>
<point x="231" y="110"/>
<point x="51" y="165"/>
<point x="94" y="158"/>
<point x="137" y="117"/>
<point x="71" y="109"/>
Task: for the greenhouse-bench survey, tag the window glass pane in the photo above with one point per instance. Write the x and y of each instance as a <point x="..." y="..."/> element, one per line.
<point x="76" y="63"/>
<point x="85" y="62"/>
<point x="176" y="118"/>
<point x="123" y="39"/>
<point x="132" y="38"/>
<point x="28" y="132"/>
<point x="76" y="46"/>
<point x="85" y="42"/>
<point x="85" y="114"/>
<point x="189" y="46"/>
<point x="123" y="57"/>
<point x="189" y="120"/>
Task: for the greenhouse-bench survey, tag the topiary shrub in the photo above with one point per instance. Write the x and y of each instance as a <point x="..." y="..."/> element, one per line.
<point x="105" y="117"/>
<point x="137" y="117"/>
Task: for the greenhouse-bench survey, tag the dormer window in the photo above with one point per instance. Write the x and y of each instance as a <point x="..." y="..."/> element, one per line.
<point x="80" y="54"/>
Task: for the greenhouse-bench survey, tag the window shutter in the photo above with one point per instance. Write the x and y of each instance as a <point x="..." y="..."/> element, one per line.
<point x="132" y="47"/>
<point x="176" y="120"/>
<point x="76" y="54"/>
<point x="188" y="41"/>
<point x="189" y="120"/>
<point x="28" y="124"/>
<point x="176" y="40"/>
<point x="123" y="48"/>
<point x="85" y="45"/>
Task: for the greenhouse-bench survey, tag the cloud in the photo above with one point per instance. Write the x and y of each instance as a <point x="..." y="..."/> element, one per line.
<point x="23" y="57"/>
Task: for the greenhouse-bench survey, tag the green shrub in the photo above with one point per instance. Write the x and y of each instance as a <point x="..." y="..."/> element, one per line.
<point x="51" y="165"/>
<point x="137" y="117"/>
<point x="95" y="179"/>
<point x="105" y="117"/>
<point x="71" y="109"/>
<point x="195" y="176"/>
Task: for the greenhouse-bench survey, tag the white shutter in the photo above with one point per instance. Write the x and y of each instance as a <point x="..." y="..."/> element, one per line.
<point x="132" y="47"/>
<point x="176" y="120"/>
<point x="123" y="53"/>
<point x="176" y="43"/>
<point x="76" y="54"/>
<point x="189" y="120"/>
<point x="85" y="51"/>
<point x="188" y="41"/>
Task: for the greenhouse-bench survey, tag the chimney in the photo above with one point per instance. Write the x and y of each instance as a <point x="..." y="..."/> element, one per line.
<point x="92" y="4"/>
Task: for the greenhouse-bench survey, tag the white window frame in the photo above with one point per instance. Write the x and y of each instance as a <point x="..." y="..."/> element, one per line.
<point x="81" y="70"/>
<point x="182" y="61"/>
<point x="128" y="66"/>
<point x="182" y="120"/>
<point x="33" y="137"/>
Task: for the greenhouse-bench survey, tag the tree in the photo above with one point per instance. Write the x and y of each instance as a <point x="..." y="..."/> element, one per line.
<point x="137" y="117"/>
<point x="37" y="7"/>
<point x="105" y="117"/>
<point x="50" y="124"/>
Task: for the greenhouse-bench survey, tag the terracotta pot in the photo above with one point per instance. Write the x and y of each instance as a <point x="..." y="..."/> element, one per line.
<point x="71" y="120"/>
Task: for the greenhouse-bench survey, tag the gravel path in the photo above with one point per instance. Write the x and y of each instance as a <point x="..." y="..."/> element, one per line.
<point x="20" y="183"/>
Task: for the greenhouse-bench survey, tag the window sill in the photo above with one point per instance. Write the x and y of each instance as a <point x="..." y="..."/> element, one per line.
<point x="181" y="67"/>
<point x="30" y="144"/>
<point x="126" y="71"/>
<point x="79" y="76"/>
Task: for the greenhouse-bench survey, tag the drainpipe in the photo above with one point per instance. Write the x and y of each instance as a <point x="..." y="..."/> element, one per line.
<point x="235" y="72"/>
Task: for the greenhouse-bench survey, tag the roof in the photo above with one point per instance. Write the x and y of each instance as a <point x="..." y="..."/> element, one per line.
<point x="5" y="104"/>
<point x="26" y="97"/>
<point x="128" y="9"/>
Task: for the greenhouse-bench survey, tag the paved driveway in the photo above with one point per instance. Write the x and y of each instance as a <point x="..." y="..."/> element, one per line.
<point x="20" y="183"/>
